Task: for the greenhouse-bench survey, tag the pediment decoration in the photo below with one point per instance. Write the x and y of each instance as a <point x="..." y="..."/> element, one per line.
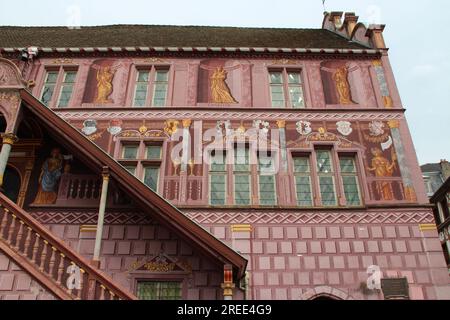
<point x="161" y="263"/>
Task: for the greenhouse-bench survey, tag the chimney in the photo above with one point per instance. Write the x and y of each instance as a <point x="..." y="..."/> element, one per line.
<point x="335" y="17"/>
<point x="375" y="33"/>
<point x="350" y="22"/>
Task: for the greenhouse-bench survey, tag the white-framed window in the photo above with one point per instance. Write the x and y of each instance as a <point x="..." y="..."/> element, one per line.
<point x="151" y="87"/>
<point x="286" y="88"/>
<point x="142" y="159"/>
<point x="58" y="86"/>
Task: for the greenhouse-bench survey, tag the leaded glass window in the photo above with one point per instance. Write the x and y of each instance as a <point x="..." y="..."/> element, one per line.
<point x="242" y="175"/>
<point x="286" y="89"/>
<point x="326" y="177"/>
<point x="49" y="87"/>
<point x="302" y="172"/>
<point x="160" y="88"/>
<point x="66" y="88"/>
<point x="140" y="93"/>
<point x="350" y="181"/>
<point x="267" y="183"/>
<point x="159" y="290"/>
<point x="217" y="178"/>
<point x="151" y="177"/>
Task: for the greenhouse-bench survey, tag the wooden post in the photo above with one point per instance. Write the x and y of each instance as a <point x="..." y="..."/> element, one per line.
<point x="101" y="215"/>
<point x="227" y="284"/>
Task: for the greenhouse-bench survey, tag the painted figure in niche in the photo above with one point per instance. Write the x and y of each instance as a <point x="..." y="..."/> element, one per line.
<point x="383" y="168"/>
<point x="48" y="179"/>
<point x="105" y="76"/>
<point x="340" y="78"/>
<point x="220" y="92"/>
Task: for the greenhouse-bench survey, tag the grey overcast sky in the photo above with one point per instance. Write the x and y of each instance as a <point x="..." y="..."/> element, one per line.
<point x="415" y="32"/>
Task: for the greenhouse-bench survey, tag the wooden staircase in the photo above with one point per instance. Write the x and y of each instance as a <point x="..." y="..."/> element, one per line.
<point x="50" y="261"/>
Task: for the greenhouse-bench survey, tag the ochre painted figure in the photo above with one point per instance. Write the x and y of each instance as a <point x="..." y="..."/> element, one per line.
<point x="220" y="93"/>
<point x="383" y="168"/>
<point x="340" y="78"/>
<point x="104" y="84"/>
<point x="49" y="177"/>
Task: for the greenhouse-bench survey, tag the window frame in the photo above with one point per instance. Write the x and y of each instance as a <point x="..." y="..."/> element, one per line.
<point x="151" y="84"/>
<point x="309" y="174"/>
<point x="225" y="173"/>
<point x="61" y="70"/>
<point x="141" y="162"/>
<point x="285" y="85"/>
<point x="356" y="174"/>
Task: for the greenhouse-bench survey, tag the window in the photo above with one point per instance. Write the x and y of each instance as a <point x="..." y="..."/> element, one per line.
<point x="60" y="81"/>
<point x="350" y="180"/>
<point x="159" y="290"/>
<point x="217" y="178"/>
<point x="151" y="83"/>
<point x="326" y="177"/>
<point x="142" y="159"/>
<point x="267" y="184"/>
<point x="286" y="89"/>
<point x="302" y="173"/>
<point x="49" y="87"/>
<point x="66" y="88"/>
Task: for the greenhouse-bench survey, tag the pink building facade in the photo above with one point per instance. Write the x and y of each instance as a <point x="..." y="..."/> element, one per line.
<point x="295" y="153"/>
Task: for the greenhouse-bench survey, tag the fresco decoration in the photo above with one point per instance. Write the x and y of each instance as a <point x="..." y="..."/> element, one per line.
<point x="223" y="128"/>
<point x="171" y="126"/>
<point x="220" y="92"/>
<point x="51" y="172"/>
<point x="303" y="127"/>
<point x="115" y="127"/>
<point x="90" y="129"/>
<point x="383" y="168"/>
<point x="100" y="82"/>
<point x="142" y="132"/>
<point x="379" y="71"/>
<point x="262" y="126"/>
<point x="340" y="77"/>
<point x="344" y="127"/>
<point x="219" y="81"/>
<point x="338" y="82"/>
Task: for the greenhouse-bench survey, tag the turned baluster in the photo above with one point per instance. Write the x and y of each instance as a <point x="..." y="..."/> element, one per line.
<point x="12" y="226"/>
<point x="34" y="253"/>
<point x="102" y="295"/>
<point x="44" y="254"/>
<point x="60" y="272"/>
<point x="112" y="296"/>
<point x="51" y="262"/>
<point x="27" y="243"/>
<point x="19" y="235"/>
<point x="4" y="222"/>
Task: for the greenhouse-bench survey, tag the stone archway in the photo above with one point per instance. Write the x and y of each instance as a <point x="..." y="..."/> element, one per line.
<point x="325" y="293"/>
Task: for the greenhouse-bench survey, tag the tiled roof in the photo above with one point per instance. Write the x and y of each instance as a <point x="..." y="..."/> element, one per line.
<point x="171" y="36"/>
<point x="431" y="167"/>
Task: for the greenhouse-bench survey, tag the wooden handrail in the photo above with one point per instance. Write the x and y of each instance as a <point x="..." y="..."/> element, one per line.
<point x="52" y="256"/>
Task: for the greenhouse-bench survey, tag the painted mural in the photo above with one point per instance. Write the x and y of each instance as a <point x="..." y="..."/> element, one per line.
<point x="100" y="82"/>
<point x="49" y="177"/>
<point x="218" y="81"/>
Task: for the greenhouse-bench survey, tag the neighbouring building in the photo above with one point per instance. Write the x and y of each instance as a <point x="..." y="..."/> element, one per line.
<point x="434" y="175"/>
<point x="176" y="162"/>
<point x="441" y="200"/>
